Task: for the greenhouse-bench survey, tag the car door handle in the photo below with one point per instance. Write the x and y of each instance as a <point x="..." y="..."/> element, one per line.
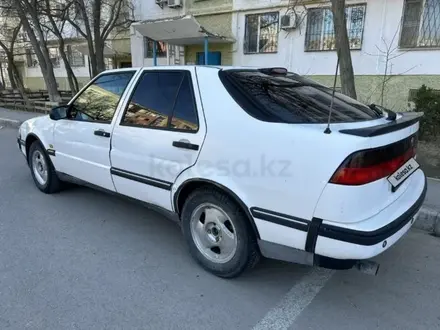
<point x="185" y="144"/>
<point x="103" y="133"/>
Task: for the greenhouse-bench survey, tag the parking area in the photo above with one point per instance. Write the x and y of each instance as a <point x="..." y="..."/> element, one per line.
<point x="82" y="259"/>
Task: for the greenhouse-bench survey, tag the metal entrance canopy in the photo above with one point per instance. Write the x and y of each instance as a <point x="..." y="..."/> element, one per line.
<point x="182" y="30"/>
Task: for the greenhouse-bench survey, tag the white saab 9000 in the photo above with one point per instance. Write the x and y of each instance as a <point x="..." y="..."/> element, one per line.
<point x="243" y="158"/>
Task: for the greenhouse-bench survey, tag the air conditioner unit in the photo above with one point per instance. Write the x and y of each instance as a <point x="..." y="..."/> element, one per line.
<point x="174" y="3"/>
<point x="289" y="21"/>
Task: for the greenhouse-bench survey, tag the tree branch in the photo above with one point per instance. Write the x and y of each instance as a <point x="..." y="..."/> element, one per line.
<point x="112" y="21"/>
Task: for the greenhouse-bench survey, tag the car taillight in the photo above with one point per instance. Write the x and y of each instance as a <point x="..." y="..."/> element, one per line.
<point x="373" y="164"/>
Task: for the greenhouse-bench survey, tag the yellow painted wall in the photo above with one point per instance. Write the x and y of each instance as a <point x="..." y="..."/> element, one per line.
<point x="203" y="6"/>
<point x="217" y="24"/>
<point x="396" y="94"/>
<point x="37" y="83"/>
<point x="121" y="45"/>
<point x="225" y="49"/>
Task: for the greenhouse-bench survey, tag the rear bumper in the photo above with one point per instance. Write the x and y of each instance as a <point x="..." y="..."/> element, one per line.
<point x="347" y="243"/>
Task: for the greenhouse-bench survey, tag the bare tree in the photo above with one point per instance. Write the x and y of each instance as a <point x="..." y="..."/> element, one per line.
<point x="28" y="12"/>
<point x="343" y="48"/>
<point x="388" y="51"/>
<point x="56" y="22"/>
<point x="300" y="8"/>
<point x="98" y="19"/>
<point x="9" y="32"/>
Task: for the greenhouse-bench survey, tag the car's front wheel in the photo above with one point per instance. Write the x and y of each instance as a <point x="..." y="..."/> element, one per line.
<point x="42" y="170"/>
<point x="218" y="233"/>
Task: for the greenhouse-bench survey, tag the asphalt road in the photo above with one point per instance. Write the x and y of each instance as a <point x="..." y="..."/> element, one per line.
<point x="82" y="259"/>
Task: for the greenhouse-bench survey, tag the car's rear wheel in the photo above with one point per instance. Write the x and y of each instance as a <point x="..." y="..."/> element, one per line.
<point x="42" y="170"/>
<point x="218" y="233"/>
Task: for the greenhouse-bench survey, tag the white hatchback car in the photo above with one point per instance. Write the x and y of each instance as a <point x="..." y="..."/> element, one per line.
<point x="243" y="158"/>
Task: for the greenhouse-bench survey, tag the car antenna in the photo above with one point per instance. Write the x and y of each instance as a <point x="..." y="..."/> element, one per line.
<point x="328" y="130"/>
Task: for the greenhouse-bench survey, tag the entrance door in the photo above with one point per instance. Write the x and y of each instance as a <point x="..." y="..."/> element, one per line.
<point x="214" y="58"/>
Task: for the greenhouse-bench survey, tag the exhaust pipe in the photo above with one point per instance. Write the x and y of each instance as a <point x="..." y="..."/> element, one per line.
<point x="367" y="267"/>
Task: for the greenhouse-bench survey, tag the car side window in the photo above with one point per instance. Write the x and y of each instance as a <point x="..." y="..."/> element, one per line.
<point x="185" y="113"/>
<point x="98" y="102"/>
<point x="164" y="100"/>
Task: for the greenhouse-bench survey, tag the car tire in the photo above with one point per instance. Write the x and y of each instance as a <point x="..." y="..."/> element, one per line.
<point x="224" y="250"/>
<point x="42" y="169"/>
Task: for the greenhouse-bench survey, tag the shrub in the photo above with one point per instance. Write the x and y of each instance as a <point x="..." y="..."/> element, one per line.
<point x="427" y="100"/>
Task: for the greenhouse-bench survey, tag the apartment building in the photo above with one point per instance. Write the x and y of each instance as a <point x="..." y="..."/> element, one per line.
<point x="116" y="52"/>
<point x="395" y="43"/>
<point x="181" y="27"/>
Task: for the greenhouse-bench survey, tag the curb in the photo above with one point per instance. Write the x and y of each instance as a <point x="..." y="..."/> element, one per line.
<point x="428" y="220"/>
<point x="10" y="123"/>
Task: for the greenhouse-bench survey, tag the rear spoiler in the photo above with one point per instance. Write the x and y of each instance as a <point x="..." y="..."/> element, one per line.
<point x="407" y="119"/>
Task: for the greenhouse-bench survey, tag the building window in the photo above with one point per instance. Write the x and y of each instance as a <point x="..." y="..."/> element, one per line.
<point x="420" y="24"/>
<point x="31" y="59"/>
<point x="109" y="64"/>
<point x="76" y="58"/>
<point x="161" y="49"/>
<point x="261" y="33"/>
<point x="54" y="55"/>
<point x="320" y="33"/>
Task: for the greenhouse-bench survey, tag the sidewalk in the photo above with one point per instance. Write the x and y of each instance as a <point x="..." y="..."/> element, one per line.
<point x="13" y="118"/>
<point x="428" y="218"/>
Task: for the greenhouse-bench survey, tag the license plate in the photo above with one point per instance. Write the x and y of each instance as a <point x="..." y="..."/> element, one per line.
<point x="403" y="173"/>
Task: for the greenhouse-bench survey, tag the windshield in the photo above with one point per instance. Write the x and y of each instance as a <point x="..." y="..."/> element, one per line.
<point x="291" y="98"/>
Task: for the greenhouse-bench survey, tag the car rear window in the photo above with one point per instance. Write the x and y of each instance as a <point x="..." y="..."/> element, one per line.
<point x="290" y="98"/>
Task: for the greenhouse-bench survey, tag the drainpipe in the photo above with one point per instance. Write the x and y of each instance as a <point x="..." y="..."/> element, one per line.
<point x="155" y="53"/>
<point x="206" y="50"/>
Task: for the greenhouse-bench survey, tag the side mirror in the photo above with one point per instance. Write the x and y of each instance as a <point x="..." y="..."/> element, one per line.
<point x="60" y="112"/>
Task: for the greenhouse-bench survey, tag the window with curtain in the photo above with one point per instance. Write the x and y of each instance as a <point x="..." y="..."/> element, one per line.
<point x="320" y="32"/>
<point x="161" y="50"/>
<point x="261" y="33"/>
<point x="420" y="24"/>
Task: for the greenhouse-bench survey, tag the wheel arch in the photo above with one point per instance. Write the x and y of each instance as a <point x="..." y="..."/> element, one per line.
<point x="188" y="186"/>
<point x="31" y="138"/>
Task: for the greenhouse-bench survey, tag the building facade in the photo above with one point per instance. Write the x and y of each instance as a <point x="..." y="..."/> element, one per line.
<point x="117" y="52"/>
<point x="395" y="43"/>
<point x="186" y="44"/>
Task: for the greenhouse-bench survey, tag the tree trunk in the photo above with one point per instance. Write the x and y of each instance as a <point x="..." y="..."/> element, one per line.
<point x="11" y="76"/>
<point x="2" y="82"/>
<point x="40" y="47"/>
<point x="99" y="52"/>
<point x="17" y="78"/>
<point x="73" y="82"/>
<point x="99" y="43"/>
<point x="343" y="48"/>
<point x="71" y="78"/>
